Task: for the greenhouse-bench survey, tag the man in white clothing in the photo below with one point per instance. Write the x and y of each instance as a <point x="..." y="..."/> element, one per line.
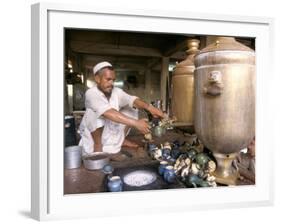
<point x="110" y="112"/>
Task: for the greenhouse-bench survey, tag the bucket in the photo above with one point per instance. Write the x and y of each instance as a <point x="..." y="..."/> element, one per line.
<point x="72" y="157"/>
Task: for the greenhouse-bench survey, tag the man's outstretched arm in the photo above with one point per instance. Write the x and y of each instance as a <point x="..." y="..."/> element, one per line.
<point x="138" y="103"/>
<point x="114" y="115"/>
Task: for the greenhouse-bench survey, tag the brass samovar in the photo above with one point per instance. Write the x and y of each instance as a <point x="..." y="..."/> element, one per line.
<point x="183" y="86"/>
<point x="225" y="102"/>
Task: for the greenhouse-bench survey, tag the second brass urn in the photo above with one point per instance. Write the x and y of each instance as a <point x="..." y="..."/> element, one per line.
<point x="183" y="86"/>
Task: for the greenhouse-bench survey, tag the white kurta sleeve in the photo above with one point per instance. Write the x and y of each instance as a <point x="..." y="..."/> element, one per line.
<point x="125" y="99"/>
<point x="97" y="103"/>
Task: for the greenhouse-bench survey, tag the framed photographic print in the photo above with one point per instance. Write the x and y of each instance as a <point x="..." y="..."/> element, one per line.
<point x="198" y="82"/>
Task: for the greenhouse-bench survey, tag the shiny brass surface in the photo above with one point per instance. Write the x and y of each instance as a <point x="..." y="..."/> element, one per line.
<point x="225" y="172"/>
<point x="225" y="98"/>
<point x="183" y="86"/>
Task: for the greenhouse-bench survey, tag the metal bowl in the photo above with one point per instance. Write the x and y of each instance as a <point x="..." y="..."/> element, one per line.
<point x="96" y="161"/>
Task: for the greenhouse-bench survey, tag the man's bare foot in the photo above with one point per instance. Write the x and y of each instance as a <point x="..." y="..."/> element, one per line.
<point x="129" y="144"/>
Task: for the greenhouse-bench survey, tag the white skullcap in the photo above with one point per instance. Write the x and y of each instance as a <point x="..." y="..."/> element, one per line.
<point x="100" y="66"/>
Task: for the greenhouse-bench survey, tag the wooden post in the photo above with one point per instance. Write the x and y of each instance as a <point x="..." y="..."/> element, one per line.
<point x="147" y="93"/>
<point x="203" y="42"/>
<point x="210" y="40"/>
<point x="164" y="77"/>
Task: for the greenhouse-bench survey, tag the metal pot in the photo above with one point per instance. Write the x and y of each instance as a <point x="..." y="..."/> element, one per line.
<point x="183" y="86"/>
<point x="96" y="161"/>
<point x="158" y="131"/>
<point x="72" y="157"/>
<point x="225" y="102"/>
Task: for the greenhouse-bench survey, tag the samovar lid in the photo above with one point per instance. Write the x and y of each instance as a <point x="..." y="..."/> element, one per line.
<point x="225" y="44"/>
<point x="187" y="65"/>
<point x="225" y="50"/>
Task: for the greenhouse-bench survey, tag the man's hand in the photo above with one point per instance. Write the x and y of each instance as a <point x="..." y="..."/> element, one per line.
<point x="138" y="103"/>
<point x="143" y="126"/>
<point x="155" y="112"/>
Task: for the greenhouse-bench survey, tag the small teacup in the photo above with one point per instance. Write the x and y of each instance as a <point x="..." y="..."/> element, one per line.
<point x="151" y="146"/>
<point x="151" y="149"/>
<point x="166" y="153"/>
<point x="115" y="184"/>
<point x="169" y="174"/>
<point x="162" y="167"/>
